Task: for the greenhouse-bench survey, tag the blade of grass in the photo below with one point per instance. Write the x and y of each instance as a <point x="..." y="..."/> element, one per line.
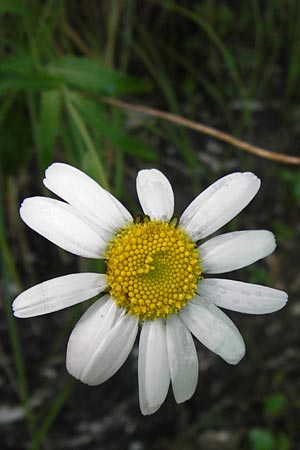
<point x="106" y="132"/>
<point x="293" y="69"/>
<point x="13" y="330"/>
<point x="272" y="39"/>
<point x="127" y="34"/>
<point x="119" y="158"/>
<point x="227" y="56"/>
<point x="18" y="359"/>
<point x="7" y="102"/>
<point x="52" y="415"/>
<point x="258" y="53"/>
<point x="212" y="91"/>
<point x="86" y="138"/>
<point x="156" y="69"/>
<point x="113" y="23"/>
<point x="48" y="125"/>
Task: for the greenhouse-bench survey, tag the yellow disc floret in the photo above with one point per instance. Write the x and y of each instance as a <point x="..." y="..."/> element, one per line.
<point x="152" y="269"/>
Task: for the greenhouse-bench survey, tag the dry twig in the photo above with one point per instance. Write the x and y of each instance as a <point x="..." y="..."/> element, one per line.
<point x="280" y="157"/>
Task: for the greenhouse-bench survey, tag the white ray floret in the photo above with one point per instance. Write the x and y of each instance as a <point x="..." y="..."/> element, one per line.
<point x="58" y="293"/>
<point x="218" y="204"/>
<point x="155" y="194"/>
<point x="232" y="251"/>
<point x="113" y="351"/>
<point x="88" y="334"/>
<point x="59" y="222"/>
<point x="97" y="206"/>
<point x="153" y="366"/>
<point x="214" y="330"/>
<point x="183" y="359"/>
<point x="242" y="297"/>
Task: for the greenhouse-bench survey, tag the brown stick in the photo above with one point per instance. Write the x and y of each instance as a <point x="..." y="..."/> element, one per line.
<point x="205" y="129"/>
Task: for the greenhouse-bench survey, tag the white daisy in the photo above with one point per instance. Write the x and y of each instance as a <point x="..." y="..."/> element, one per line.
<point x="154" y="277"/>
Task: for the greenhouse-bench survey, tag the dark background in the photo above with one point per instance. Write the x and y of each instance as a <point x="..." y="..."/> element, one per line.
<point x="232" y="65"/>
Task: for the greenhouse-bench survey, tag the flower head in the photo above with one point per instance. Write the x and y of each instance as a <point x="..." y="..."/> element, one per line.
<point x="155" y="277"/>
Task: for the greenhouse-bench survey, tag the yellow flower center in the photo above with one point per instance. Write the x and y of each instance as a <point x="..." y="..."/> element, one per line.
<point x="152" y="269"/>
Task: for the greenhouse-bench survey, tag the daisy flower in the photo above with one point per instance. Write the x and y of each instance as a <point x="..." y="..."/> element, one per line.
<point x="155" y="266"/>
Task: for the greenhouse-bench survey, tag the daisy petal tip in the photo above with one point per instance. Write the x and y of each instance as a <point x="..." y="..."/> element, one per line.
<point x="281" y="301"/>
<point x="55" y="166"/>
<point x="146" y="172"/>
<point x="15" y="309"/>
<point x="74" y="373"/>
<point x="149" y="410"/>
<point x="24" y="204"/>
<point x="27" y="207"/>
<point x="53" y="170"/>
<point x="253" y="181"/>
<point x="238" y="357"/>
<point x="183" y="398"/>
<point x="271" y="236"/>
<point x="19" y="315"/>
<point x="251" y="176"/>
<point x="19" y="310"/>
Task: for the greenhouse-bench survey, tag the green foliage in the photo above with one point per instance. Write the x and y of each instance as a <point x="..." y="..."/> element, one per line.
<point x="48" y="125"/>
<point x="12" y="7"/>
<point x="105" y="129"/>
<point x="283" y="232"/>
<point x="261" y="439"/>
<point x="292" y="179"/>
<point x="257" y="274"/>
<point x="275" y="404"/>
<point x="283" y="442"/>
<point x="16" y="140"/>
<point x="93" y="77"/>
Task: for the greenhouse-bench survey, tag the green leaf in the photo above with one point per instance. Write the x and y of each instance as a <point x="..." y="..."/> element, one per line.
<point x="92" y="76"/>
<point x="261" y="439"/>
<point x="18" y="73"/>
<point x="283" y="442"/>
<point x="20" y="63"/>
<point x="86" y="138"/>
<point x="98" y="120"/>
<point x="15" y="140"/>
<point x="275" y="404"/>
<point x="12" y="7"/>
<point x="31" y="83"/>
<point x="71" y="143"/>
<point x="292" y="179"/>
<point x="49" y="125"/>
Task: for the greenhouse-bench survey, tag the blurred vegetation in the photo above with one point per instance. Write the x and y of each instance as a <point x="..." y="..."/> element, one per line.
<point x="233" y="65"/>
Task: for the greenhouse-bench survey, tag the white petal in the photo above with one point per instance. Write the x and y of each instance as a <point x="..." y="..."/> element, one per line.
<point x="242" y="297"/>
<point x="100" y="342"/>
<point x="183" y="359"/>
<point x="88" y="335"/>
<point x="58" y="293"/>
<point x="112" y="351"/>
<point x="59" y="222"/>
<point x="214" y="329"/>
<point x="153" y="366"/>
<point x="103" y="211"/>
<point x="231" y="251"/>
<point x="218" y="204"/>
<point x="155" y="194"/>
